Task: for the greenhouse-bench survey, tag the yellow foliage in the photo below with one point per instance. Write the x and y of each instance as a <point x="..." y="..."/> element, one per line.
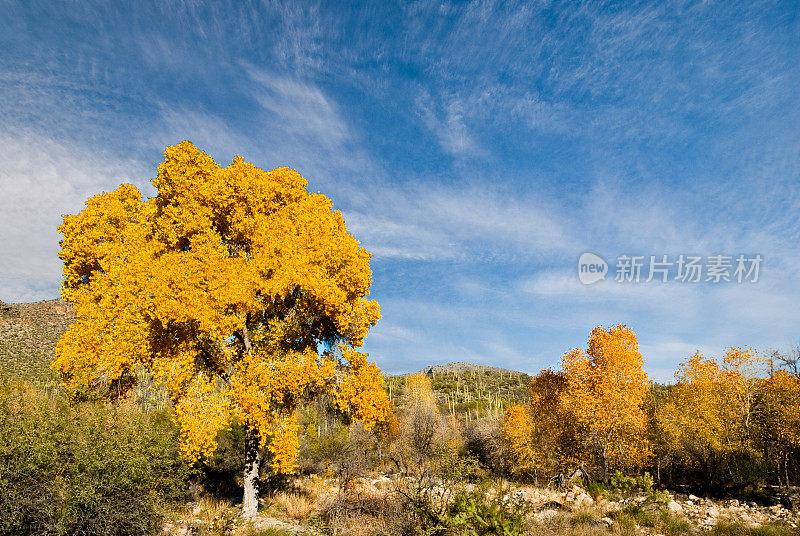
<point x="224" y="285"/>
<point x="518" y="432"/>
<point x="555" y="440"/>
<point x="360" y="392"/>
<point x="418" y="392"/>
<point x="605" y="393"/>
<point x="709" y="411"/>
<point x="778" y="419"/>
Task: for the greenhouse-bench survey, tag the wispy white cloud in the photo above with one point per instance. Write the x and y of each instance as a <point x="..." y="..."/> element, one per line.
<point x="40" y="180"/>
<point x="302" y="107"/>
<point x="447" y="122"/>
<point x="436" y="223"/>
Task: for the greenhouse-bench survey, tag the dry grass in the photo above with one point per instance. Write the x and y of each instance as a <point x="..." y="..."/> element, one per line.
<point x="295" y="505"/>
<point x="586" y="522"/>
<point x="215" y="517"/>
<point x="343" y="520"/>
<point x="364" y="510"/>
<point x="568" y="524"/>
<point x="736" y="528"/>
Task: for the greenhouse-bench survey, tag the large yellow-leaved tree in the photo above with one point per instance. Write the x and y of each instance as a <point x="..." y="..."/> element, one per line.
<point x="605" y="394"/>
<point x="241" y="292"/>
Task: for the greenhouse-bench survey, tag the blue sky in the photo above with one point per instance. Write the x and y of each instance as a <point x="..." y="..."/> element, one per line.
<point x="476" y="148"/>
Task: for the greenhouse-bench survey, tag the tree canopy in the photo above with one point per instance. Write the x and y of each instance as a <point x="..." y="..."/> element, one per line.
<point x="243" y="293"/>
<point x="606" y="389"/>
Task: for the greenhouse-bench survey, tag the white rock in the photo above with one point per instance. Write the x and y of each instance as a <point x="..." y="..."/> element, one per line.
<point x="674" y="508"/>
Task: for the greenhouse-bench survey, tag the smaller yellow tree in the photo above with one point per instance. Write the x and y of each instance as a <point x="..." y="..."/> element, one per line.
<point x="541" y="436"/>
<point x="777" y="420"/>
<point x="555" y="432"/>
<point x="708" y="415"/>
<point x="422" y="429"/>
<point x="691" y="417"/>
<point x="518" y="433"/>
<point x="605" y="394"/>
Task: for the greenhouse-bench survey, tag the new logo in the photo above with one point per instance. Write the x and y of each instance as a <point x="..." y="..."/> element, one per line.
<point x="591" y="268"/>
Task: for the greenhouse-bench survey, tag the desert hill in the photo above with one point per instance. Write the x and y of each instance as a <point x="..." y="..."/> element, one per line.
<point x="460" y="367"/>
<point x="28" y="336"/>
<point x="469" y="390"/>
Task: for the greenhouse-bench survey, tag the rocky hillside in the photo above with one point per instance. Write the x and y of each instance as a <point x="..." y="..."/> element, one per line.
<point x="28" y="336"/>
<point x="468" y="390"/>
<point x="698" y="513"/>
<point x="459" y="367"/>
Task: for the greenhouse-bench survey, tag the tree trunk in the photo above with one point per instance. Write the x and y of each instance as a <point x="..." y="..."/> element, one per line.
<point x="658" y="469"/>
<point x="252" y="451"/>
<point x="786" y="468"/>
<point x="252" y="463"/>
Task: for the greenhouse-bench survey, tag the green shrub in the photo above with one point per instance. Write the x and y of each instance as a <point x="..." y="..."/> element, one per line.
<point x="88" y="469"/>
<point x="483" y="511"/>
<point x="644" y="482"/>
<point x="596" y="490"/>
<point x="451" y="506"/>
<point x="628" y="484"/>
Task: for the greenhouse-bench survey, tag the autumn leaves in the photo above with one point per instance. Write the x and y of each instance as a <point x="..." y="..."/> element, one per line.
<point x="239" y="291"/>
<point x="601" y="410"/>
<point x="589" y="412"/>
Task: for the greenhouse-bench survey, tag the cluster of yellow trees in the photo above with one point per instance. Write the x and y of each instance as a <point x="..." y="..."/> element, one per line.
<point x="731" y="420"/>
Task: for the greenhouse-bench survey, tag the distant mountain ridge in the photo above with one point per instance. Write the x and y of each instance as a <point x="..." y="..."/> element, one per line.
<point x="462" y="366"/>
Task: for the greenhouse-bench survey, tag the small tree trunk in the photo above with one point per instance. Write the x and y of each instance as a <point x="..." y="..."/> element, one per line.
<point x="658" y="470"/>
<point x="252" y="463"/>
<point x="786" y="468"/>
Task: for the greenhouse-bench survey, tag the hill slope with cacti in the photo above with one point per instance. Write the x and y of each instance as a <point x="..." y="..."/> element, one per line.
<point x="28" y="336"/>
<point x="470" y="391"/>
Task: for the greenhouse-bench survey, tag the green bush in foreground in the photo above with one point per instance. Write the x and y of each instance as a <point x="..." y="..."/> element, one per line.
<point x="86" y="469"/>
<point x="452" y="506"/>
